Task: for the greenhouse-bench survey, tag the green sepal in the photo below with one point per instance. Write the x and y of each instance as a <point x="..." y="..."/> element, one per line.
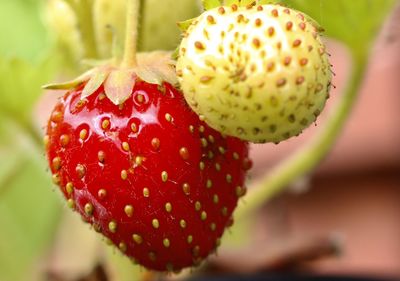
<point x="184" y="25"/>
<point x="249" y="2"/>
<point x="244" y="3"/>
<point x="70" y="84"/>
<point x="94" y="82"/>
<point x="175" y="54"/>
<point x="211" y="4"/>
<point x="230" y="2"/>
<point x="240" y="3"/>
<point x="265" y="2"/>
<point x="156" y="68"/>
<point x="119" y="85"/>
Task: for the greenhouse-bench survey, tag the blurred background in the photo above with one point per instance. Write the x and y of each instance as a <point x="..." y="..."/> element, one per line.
<point x="343" y="219"/>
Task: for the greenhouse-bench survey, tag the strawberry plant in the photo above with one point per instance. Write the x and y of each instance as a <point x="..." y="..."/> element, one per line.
<point x="30" y="212"/>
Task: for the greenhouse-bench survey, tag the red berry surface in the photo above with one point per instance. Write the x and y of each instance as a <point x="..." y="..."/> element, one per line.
<point x="148" y="174"/>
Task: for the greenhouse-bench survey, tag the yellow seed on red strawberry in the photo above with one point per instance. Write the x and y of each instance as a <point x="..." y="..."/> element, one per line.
<point x="146" y="178"/>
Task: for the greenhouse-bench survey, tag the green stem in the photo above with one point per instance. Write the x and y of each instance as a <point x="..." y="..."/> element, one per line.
<point x="309" y="156"/>
<point x="84" y="13"/>
<point x="132" y="20"/>
<point x="141" y="20"/>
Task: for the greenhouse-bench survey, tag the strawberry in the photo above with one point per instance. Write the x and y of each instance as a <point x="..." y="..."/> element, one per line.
<point x="139" y="165"/>
<point x="257" y="72"/>
<point x="146" y="173"/>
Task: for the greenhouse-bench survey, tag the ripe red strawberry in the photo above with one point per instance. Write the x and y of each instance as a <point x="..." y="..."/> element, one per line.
<point x="147" y="174"/>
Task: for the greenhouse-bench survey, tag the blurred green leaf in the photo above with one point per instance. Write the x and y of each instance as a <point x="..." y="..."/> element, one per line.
<point x="354" y="22"/>
<point x="20" y="84"/>
<point x="22" y="31"/>
<point x="29" y="210"/>
<point x="26" y="59"/>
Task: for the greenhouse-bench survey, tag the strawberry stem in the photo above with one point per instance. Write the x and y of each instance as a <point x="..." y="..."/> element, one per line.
<point x="132" y="18"/>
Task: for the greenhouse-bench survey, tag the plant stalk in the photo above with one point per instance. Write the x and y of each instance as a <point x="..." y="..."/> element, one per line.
<point x="141" y="20"/>
<point x="132" y="20"/>
<point x="84" y="14"/>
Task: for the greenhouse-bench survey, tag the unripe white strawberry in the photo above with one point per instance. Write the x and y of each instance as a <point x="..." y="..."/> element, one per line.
<point x="259" y="73"/>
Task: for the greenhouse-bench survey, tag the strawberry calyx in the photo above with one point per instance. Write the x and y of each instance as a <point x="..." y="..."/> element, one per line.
<point x="212" y="4"/>
<point x="119" y="78"/>
<point x="154" y="67"/>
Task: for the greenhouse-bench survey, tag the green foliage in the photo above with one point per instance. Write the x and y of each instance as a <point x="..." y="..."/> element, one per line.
<point x="354" y="22"/>
<point x="22" y="31"/>
<point x="20" y="85"/>
<point x="29" y="210"/>
<point x="28" y="207"/>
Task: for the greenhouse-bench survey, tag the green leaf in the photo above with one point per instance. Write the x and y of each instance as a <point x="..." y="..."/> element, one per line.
<point x="20" y="85"/>
<point x="28" y="207"/>
<point x="355" y="22"/>
<point x="22" y="31"/>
